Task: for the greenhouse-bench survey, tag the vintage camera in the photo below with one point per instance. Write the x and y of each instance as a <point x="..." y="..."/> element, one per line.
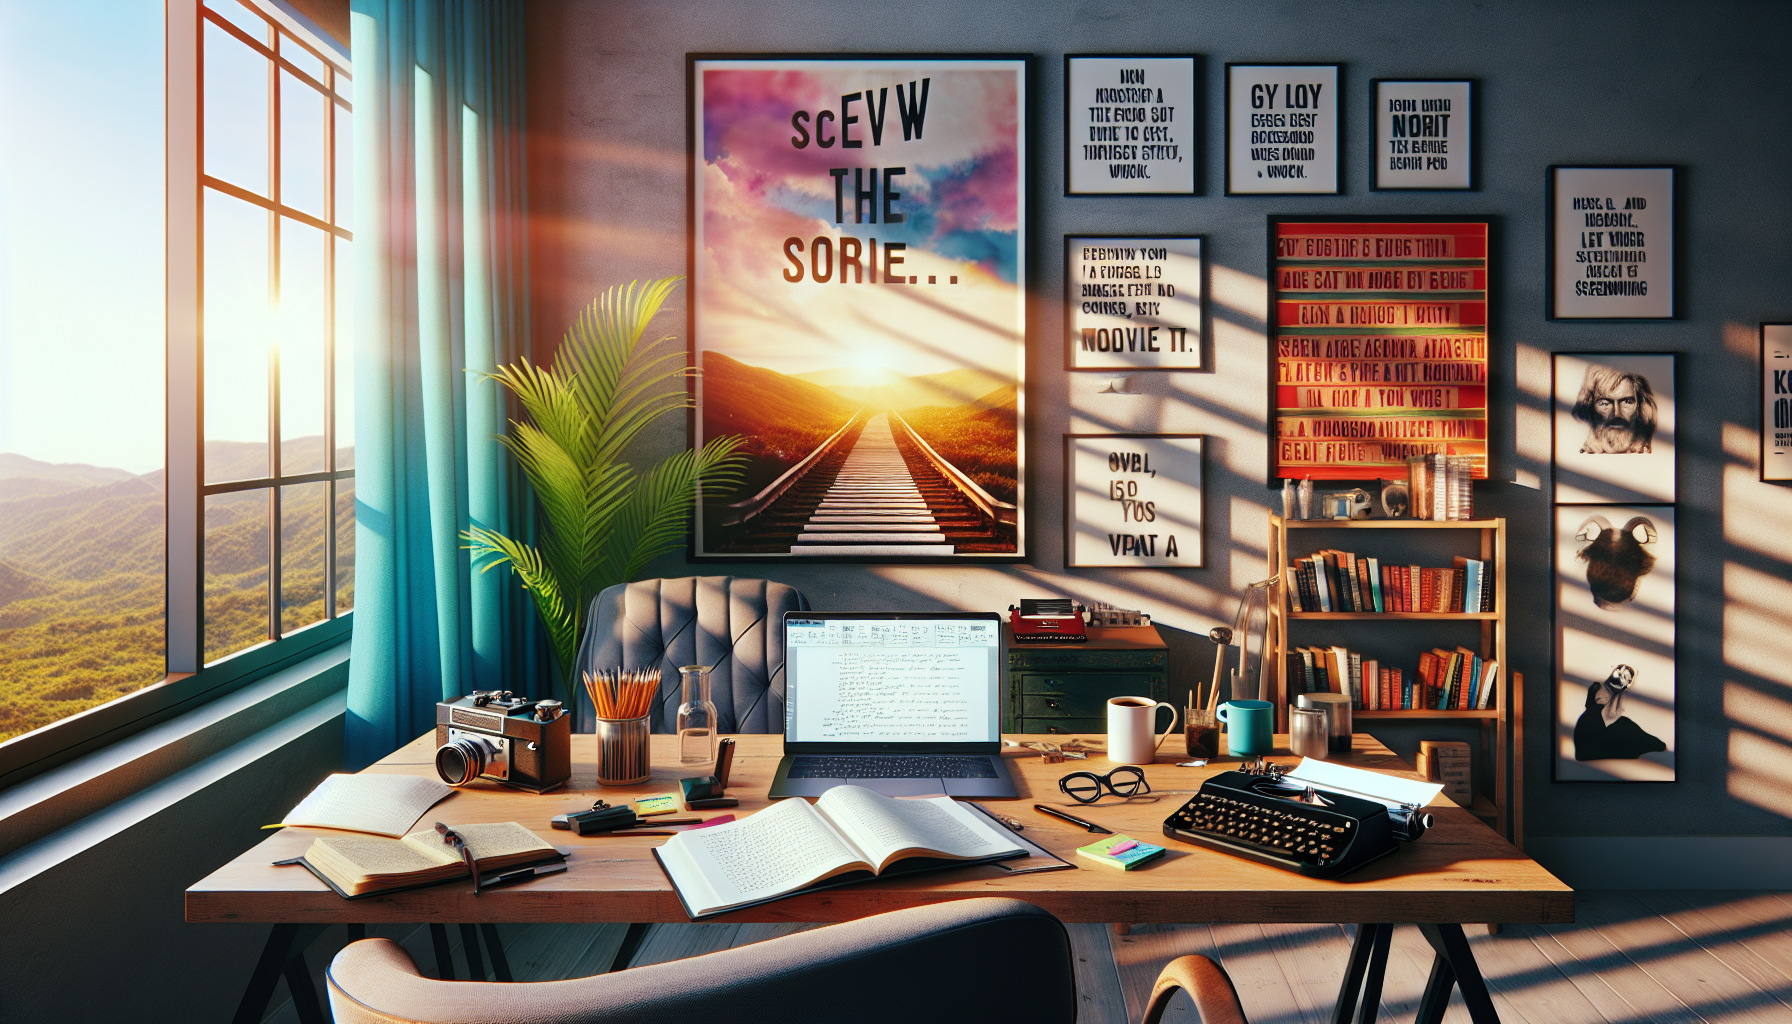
<point x="494" y="734"/>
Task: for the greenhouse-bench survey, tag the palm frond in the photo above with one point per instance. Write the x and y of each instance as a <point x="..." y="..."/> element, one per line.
<point x="557" y="616"/>
<point x="659" y="508"/>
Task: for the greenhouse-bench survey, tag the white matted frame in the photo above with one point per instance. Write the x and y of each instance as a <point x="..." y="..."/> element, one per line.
<point x="1283" y="135"/>
<point x="1616" y="718"/>
<point x="1130" y="125"/>
<point x="1776" y="403"/>
<point x="1612" y="250"/>
<point x="1134" y="501"/>
<point x="1613" y="416"/>
<point x="1134" y="302"/>
<point x="1424" y="134"/>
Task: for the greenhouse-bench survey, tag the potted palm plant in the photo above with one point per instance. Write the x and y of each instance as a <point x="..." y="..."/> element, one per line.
<point x="601" y="518"/>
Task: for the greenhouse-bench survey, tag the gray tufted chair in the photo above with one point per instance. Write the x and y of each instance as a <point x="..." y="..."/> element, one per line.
<point x="733" y="623"/>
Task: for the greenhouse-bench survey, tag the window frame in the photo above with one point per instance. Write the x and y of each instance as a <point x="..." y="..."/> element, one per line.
<point x="188" y="680"/>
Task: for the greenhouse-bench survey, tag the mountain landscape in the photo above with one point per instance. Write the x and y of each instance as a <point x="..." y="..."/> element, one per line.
<point x="82" y="598"/>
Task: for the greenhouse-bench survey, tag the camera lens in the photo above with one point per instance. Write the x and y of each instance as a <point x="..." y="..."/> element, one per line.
<point x="461" y="761"/>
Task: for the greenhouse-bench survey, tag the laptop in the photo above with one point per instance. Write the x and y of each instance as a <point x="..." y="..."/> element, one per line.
<point x="904" y="703"/>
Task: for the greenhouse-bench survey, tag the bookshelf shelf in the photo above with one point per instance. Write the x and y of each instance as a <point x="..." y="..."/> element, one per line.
<point x="1501" y="726"/>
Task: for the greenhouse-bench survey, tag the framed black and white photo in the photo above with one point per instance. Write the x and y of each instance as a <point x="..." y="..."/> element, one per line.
<point x="1133" y="501"/>
<point x="1129" y="125"/>
<point x="1282" y="130"/>
<point x="1611" y="249"/>
<point x="1776" y="402"/>
<point x="1615" y="674"/>
<point x="1135" y="302"/>
<point x="1613" y="415"/>
<point x="1424" y="133"/>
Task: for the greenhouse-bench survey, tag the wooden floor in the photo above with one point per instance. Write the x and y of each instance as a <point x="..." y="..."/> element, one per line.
<point x="1642" y="957"/>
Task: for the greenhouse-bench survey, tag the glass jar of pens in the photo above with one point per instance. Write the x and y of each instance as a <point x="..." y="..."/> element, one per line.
<point x="624" y="701"/>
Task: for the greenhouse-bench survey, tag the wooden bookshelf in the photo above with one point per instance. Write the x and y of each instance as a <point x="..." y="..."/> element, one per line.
<point x="1502" y="729"/>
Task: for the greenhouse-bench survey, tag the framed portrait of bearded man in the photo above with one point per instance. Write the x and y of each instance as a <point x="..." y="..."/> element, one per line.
<point x="1613" y="416"/>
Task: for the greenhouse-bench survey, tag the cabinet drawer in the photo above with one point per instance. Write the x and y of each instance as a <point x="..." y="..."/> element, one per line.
<point x="1068" y="705"/>
<point x="1063" y="726"/>
<point x="1102" y="684"/>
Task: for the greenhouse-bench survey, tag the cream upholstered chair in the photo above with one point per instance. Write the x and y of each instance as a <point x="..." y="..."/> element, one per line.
<point x="982" y="959"/>
<point x="734" y="623"/>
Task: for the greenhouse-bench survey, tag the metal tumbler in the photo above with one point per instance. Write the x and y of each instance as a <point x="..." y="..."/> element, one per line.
<point x="1337" y="705"/>
<point x="1310" y="732"/>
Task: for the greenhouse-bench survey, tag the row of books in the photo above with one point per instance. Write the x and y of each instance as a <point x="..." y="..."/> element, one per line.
<point x="1446" y="680"/>
<point x="1342" y="581"/>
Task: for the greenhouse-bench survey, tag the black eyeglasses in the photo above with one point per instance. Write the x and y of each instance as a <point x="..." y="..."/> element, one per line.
<point x="453" y="838"/>
<point x="1088" y="787"/>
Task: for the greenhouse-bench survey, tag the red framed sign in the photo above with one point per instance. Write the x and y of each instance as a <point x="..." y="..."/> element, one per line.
<point x="1380" y="344"/>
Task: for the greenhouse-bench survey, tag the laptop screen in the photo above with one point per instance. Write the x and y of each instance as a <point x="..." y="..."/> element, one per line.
<point x="892" y="679"/>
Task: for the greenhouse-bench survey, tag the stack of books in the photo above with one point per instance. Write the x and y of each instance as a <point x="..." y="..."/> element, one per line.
<point x="1445" y="680"/>
<point x="1343" y="581"/>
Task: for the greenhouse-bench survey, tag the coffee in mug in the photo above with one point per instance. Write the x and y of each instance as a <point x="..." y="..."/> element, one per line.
<point x="1130" y="721"/>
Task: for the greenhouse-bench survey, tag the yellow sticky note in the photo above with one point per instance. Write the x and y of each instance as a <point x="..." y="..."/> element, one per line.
<point x="659" y="803"/>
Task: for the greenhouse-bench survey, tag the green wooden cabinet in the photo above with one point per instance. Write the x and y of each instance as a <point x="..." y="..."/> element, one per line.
<point x="1064" y="688"/>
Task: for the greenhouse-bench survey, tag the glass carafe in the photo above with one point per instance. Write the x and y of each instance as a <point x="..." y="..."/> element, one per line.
<point x="696" y="717"/>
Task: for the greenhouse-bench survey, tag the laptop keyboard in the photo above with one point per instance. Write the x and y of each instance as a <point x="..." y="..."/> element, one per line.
<point x="890" y="766"/>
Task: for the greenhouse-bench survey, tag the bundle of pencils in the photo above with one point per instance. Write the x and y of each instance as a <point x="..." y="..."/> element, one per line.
<point x="617" y="693"/>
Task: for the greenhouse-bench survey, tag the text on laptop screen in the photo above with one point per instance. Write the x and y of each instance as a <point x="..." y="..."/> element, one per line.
<point x="892" y="681"/>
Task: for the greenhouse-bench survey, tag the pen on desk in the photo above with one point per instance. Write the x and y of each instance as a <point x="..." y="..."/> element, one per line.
<point x="1073" y="819"/>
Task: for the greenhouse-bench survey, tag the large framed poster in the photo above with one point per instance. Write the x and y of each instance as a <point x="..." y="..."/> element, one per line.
<point x="1776" y="402"/>
<point x="1133" y="501"/>
<point x="1611" y="243"/>
<point x="1129" y="125"/>
<point x="1424" y="133"/>
<point x="1613" y="416"/>
<point x="1380" y="347"/>
<point x="1616" y="688"/>
<point x="1134" y="302"/>
<point x="1282" y="131"/>
<point x="858" y="304"/>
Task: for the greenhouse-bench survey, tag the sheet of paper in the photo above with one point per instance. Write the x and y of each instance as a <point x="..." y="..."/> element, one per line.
<point x="386" y="805"/>
<point x="780" y="848"/>
<point x="1387" y="788"/>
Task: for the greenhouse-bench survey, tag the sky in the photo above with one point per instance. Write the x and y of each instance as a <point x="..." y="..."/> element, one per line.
<point x="81" y="232"/>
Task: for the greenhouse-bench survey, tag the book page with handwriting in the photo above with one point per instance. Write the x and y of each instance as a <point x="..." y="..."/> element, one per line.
<point x="386" y="805"/>
<point x="774" y="851"/>
<point x="887" y="828"/>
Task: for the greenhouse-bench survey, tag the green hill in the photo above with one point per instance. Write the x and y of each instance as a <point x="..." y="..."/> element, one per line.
<point x="782" y="418"/>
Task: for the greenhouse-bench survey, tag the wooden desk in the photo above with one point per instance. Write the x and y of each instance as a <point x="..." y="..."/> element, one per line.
<point x="1460" y="872"/>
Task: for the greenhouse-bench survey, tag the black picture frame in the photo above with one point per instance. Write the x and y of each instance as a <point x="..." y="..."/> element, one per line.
<point x="1587" y="494"/>
<point x="1783" y="404"/>
<point x="1195" y="123"/>
<point x="1473" y="134"/>
<point x="1677" y="273"/>
<point x="1337" y="116"/>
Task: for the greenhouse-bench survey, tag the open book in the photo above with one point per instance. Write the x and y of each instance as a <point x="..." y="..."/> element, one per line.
<point x="362" y="866"/>
<point x="850" y="834"/>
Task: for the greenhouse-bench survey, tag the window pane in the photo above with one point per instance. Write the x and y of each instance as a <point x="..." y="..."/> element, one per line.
<point x="236" y="572"/>
<point x="345" y="355"/>
<point x="302" y="58"/>
<point x="236" y="111"/>
<point x="299" y="328"/>
<point x="302" y="126"/>
<point x="304" y="523"/>
<point x="345" y="545"/>
<point x="345" y="168"/>
<point x="345" y="88"/>
<point x="82" y="207"/>
<point x="242" y="18"/>
<point x="237" y="332"/>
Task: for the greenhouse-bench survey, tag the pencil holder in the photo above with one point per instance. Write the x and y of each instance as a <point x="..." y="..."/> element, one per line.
<point x="622" y="751"/>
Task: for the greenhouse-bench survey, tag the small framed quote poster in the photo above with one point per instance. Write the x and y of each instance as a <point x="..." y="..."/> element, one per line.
<point x="1282" y="131"/>
<point x="1423" y="133"/>
<point x="1613" y="416"/>
<point x="1379" y="344"/>
<point x="1776" y="402"/>
<point x="1611" y="252"/>
<point x="1135" y="302"/>
<point x="1129" y="125"/>
<point x="1134" y="501"/>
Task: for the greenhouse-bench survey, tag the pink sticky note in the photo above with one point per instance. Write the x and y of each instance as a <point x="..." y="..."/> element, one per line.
<point x="1119" y="848"/>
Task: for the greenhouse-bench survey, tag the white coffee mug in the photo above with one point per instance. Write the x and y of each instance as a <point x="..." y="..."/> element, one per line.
<point x="1129" y="729"/>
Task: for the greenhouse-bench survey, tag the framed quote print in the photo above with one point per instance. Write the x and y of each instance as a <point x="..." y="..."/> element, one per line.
<point x="1129" y="125"/>
<point x="1379" y="348"/>
<point x="1611" y="249"/>
<point x="1424" y="133"/>
<point x="1776" y="402"/>
<point x="1616" y="685"/>
<point x="1613" y="417"/>
<point x="858" y="304"/>
<point x="1282" y="131"/>
<point x="1133" y="501"/>
<point x="1135" y="302"/>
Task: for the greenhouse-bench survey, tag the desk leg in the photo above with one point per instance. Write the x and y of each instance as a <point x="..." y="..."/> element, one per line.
<point x="274" y="954"/>
<point x="438" y="937"/>
<point x="631" y="943"/>
<point x="304" y="997"/>
<point x="1455" y="964"/>
<point x="1363" y="974"/>
<point x="469" y="948"/>
<point x="500" y="965"/>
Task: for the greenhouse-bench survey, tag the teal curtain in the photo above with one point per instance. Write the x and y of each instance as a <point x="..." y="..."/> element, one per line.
<point x="439" y="277"/>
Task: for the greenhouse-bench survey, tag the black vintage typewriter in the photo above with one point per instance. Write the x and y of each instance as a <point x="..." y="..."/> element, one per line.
<point x="1319" y="833"/>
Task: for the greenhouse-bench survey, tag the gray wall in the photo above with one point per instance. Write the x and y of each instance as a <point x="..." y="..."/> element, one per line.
<point x="1700" y="85"/>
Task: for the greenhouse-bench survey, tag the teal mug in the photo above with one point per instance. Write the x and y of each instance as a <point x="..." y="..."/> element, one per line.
<point x="1250" y="727"/>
